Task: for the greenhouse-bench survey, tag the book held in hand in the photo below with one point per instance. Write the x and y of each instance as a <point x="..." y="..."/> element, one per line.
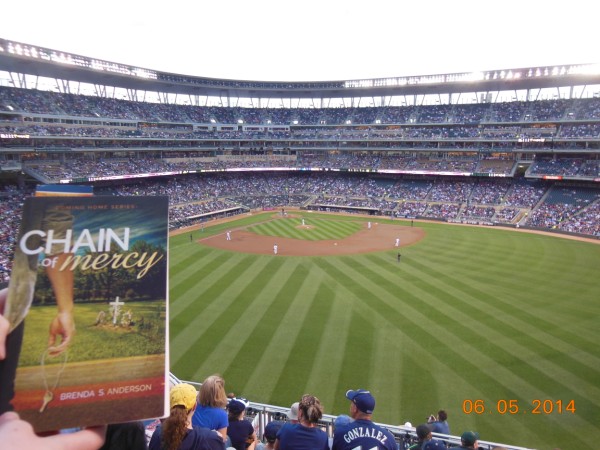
<point x="87" y="305"/>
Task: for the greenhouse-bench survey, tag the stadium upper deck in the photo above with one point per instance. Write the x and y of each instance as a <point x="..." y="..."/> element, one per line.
<point x="22" y="59"/>
<point x="417" y="138"/>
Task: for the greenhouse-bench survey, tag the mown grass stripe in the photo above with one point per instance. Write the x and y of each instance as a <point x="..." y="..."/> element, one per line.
<point x="580" y="376"/>
<point x="225" y="314"/>
<point x="204" y="281"/>
<point x="205" y="271"/>
<point x="357" y="360"/>
<point x="413" y="398"/>
<point x="328" y="358"/>
<point x="209" y="305"/>
<point x="266" y="312"/>
<point x="272" y="361"/>
<point x="487" y="308"/>
<point x="299" y="361"/>
<point x="455" y="347"/>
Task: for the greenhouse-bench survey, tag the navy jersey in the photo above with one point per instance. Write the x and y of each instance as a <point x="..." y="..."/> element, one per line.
<point x="363" y="435"/>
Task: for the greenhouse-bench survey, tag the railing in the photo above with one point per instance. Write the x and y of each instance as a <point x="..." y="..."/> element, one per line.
<point x="261" y="414"/>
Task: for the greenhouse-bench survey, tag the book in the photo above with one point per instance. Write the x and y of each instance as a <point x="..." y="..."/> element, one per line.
<point x="89" y="294"/>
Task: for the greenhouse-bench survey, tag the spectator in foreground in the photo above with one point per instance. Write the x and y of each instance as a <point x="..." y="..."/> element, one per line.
<point x="212" y="401"/>
<point x="177" y="431"/>
<point x="240" y="431"/>
<point x="270" y="435"/>
<point x="306" y="434"/>
<point x="362" y="432"/>
<point x="125" y="436"/>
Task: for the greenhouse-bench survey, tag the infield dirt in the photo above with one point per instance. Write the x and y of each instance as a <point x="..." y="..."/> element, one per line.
<point x="380" y="237"/>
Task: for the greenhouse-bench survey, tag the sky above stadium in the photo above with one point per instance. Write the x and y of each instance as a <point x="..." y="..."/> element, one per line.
<point x="310" y="40"/>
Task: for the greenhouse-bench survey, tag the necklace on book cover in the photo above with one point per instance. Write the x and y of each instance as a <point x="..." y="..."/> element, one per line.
<point x="49" y="394"/>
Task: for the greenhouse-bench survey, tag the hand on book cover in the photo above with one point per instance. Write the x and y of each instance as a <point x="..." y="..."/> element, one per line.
<point x="62" y="325"/>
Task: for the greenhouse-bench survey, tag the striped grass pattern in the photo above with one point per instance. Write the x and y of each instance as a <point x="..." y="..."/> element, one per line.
<point x="468" y="314"/>
<point x="314" y="229"/>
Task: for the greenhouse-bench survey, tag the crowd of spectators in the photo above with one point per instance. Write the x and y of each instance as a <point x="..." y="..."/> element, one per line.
<point x="587" y="221"/>
<point x="55" y="170"/>
<point x="565" y="167"/>
<point x="199" y="198"/>
<point x="68" y="122"/>
<point x="16" y="100"/>
<point x="11" y="205"/>
<point x="564" y="204"/>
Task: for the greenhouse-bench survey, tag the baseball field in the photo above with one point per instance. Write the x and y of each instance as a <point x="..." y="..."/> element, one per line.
<point x="498" y="327"/>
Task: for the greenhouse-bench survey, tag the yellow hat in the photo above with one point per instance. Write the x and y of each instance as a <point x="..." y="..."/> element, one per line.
<point x="183" y="394"/>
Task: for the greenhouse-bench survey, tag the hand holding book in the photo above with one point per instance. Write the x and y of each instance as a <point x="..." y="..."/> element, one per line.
<point x="16" y="433"/>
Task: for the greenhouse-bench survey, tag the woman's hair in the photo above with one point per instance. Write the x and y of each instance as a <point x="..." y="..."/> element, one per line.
<point x="442" y="415"/>
<point x="311" y="408"/>
<point x="212" y="392"/>
<point x="174" y="428"/>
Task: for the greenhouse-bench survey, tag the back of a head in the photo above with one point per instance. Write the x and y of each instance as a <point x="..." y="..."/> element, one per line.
<point x="183" y="397"/>
<point x="341" y="421"/>
<point x="293" y="413"/>
<point x="174" y="427"/>
<point x="312" y="410"/>
<point x="442" y="416"/>
<point x="236" y="407"/>
<point x="125" y="436"/>
<point x="423" y="431"/>
<point x="212" y="392"/>
<point x="271" y="430"/>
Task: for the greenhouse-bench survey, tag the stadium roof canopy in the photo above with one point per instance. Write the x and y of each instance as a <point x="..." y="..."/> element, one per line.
<point x="25" y="59"/>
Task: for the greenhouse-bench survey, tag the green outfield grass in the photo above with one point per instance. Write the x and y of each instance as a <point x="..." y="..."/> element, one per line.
<point x="315" y="229"/>
<point x="469" y="314"/>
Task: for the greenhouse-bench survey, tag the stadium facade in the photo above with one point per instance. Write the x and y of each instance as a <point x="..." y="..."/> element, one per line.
<point x="512" y="146"/>
<point x="515" y="147"/>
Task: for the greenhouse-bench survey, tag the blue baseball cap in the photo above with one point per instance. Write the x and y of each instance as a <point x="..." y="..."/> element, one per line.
<point x="271" y="430"/>
<point x="363" y="400"/>
<point x="237" y="405"/>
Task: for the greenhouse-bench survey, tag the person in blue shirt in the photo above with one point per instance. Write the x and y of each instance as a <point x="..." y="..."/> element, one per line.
<point x="440" y="423"/>
<point x="362" y="432"/>
<point x="306" y="434"/>
<point x="212" y="400"/>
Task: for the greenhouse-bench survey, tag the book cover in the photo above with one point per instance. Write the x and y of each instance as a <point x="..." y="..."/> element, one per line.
<point x="88" y="294"/>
